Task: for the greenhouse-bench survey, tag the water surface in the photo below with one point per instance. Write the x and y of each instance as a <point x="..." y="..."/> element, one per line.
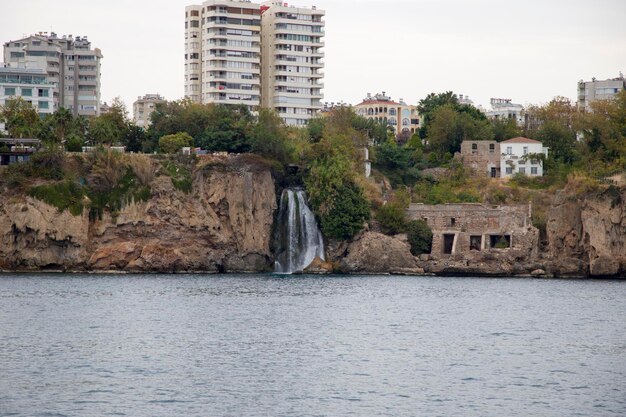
<point x="263" y="345"/>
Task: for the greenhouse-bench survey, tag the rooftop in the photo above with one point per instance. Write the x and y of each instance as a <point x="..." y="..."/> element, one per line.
<point x="520" y="139"/>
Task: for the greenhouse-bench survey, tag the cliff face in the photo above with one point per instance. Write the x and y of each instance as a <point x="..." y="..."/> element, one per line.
<point x="587" y="235"/>
<point x="223" y="224"/>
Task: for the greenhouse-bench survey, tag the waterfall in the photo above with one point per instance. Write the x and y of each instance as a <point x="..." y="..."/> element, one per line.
<point x="299" y="240"/>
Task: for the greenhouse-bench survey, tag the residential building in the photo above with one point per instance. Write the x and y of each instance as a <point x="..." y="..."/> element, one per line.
<point x="503" y="108"/>
<point x="223" y="52"/>
<point x="31" y="84"/>
<point x="590" y="91"/>
<point x="291" y="46"/>
<point x="471" y="227"/>
<point x="482" y="156"/>
<point x="399" y="115"/>
<point x="270" y="55"/>
<point x="521" y="156"/>
<point x="143" y="108"/>
<point x="72" y="67"/>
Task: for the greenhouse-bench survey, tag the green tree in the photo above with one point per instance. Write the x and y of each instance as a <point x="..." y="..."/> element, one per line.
<point x="392" y="219"/>
<point x="505" y="128"/>
<point x="349" y="211"/>
<point x="174" y="143"/>
<point x="450" y="127"/>
<point x="134" y="138"/>
<point x="20" y="118"/>
<point x="103" y="131"/>
<point x="268" y="137"/>
<point x="420" y="237"/>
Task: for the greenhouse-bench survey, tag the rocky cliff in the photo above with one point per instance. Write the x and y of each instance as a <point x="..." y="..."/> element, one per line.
<point x="223" y="224"/>
<point x="587" y="232"/>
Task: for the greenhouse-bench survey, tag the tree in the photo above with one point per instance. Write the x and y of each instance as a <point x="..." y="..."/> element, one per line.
<point x="505" y="128"/>
<point x="269" y="137"/>
<point x="103" y="131"/>
<point x="420" y="236"/>
<point x="392" y="219"/>
<point x="450" y="127"/>
<point x="134" y="138"/>
<point x="427" y="106"/>
<point x="20" y="118"/>
<point x="174" y="143"/>
<point x="350" y="210"/>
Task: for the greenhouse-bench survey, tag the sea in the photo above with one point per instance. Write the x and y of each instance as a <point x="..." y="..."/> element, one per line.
<point x="280" y="345"/>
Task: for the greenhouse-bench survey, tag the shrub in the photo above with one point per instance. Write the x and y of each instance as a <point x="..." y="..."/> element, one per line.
<point x="63" y="195"/>
<point x="108" y="167"/>
<point x="174" y="143"/>
<point x="348" y="213"/>
<point x="179" y="174"/>
<point x="144" y="168"/>
<point x="392" y="219"/>
<point x="48" y="162"/>
<point x="420" y="236"/>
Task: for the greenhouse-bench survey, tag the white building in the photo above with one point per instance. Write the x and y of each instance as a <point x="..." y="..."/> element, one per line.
<point x="29" y="84"/>
<point x="72" y="67"/>
<point x="590" y="91"/>
<point x="239" y="52"/>
<point x="223" y="52"/>
<point x="503" y="108"/>
<point x="291" y="45"/>
<point x="143" y="108"/>
<point x="517" y="157"/>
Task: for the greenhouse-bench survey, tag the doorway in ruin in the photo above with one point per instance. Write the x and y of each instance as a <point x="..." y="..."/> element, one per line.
<point x="500" y="241"/>
<point x="448" y="243"/>
<point x="476" y="242"/>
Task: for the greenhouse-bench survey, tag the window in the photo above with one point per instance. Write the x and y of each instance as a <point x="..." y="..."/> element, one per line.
<point x="525" y="150"/>
<point x="533" y="170"/>
<point x="42" y="92"/>
<point x="509" y="171"/>
<point x="500" y="241"/>
<point x="474" y="148"/>
<point x="27" y="92"/>
<point x="42" y="105"/>
<point x="492" y="148"/>
<point x="9" y="91"/>
<point x="476" y="242"/>
<point x="452" y="221"/>
<point x="522" y="170"/>
<point x="509" y="150"/>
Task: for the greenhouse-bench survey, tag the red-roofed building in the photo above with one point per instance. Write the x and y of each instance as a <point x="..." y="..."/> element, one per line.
<point x="401" y="116"/>
<point x="517" y="157"/>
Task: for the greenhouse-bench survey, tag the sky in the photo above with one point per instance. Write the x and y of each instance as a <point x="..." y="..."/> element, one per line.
<point x="527" y="51"/>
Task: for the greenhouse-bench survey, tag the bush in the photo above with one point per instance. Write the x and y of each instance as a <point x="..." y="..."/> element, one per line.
<point x="420" y="236"/>
<point x="349" y="212"/>
<point x="107" y="168"/>
<point x="392" y="219"/>
<point x="48" y="162"/>
<point x="63" y="195"/>
<point x="144" y="168"/>
<point x="174" y="143"/>
<point x="180" y="175"/>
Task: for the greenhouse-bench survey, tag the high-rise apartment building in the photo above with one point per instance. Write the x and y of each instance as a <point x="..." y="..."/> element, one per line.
<point x="143" y="108"/>
<point x="291" y="64"/>
<point x="223" y="52"/>
<point x="71" y="65"/>
<point x="239" y="52"/>
<point x="590" y="91"/>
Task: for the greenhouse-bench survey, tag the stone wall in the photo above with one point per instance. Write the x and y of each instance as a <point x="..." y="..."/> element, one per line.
<point x="460" y="229"/>
<point x="481" y="156"/>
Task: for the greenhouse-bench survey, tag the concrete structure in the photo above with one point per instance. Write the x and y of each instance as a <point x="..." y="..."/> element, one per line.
<point x="223" y="52"/>
<point x="483" y="156"/>
<point x="517" y="157"/>
<point x="291" y="45"/>
<point x="590" y="91"/>
<point x="503" y="108"/>
<point x="28" y="83"/>
<point x="72" y="66"/>
<point x="143" y="108"/>
<point x="462" y="228"/>
<point x="399" y="115"/>
<point x="15" y="151"/>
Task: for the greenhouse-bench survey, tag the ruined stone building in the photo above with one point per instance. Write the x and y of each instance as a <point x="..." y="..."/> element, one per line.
<point x="461" y="229"/>
<point x="483" y="156"/>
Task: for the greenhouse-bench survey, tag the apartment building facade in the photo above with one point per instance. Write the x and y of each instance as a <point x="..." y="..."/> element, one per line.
<point x="223" y="52"/>
<point x="590" y="91"/>
<point x="399" y="115"/>
<point x="71" y="64"/>
<point x="269" y="55"/>
<point x="30" y="84"/>
<point x="143" y="108"/>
